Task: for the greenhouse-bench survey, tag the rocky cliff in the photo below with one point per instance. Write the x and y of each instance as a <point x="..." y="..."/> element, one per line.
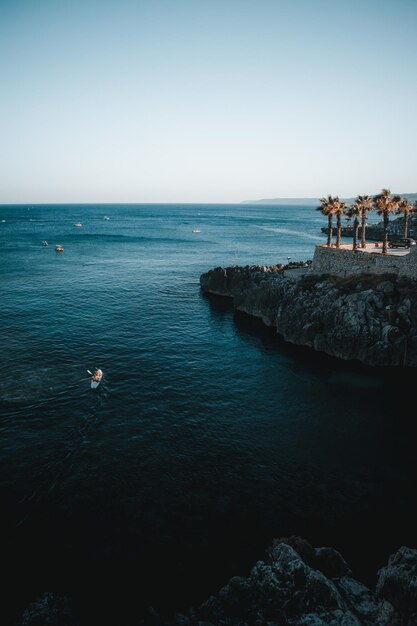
<point x="295" y="585"/>
<point x="369" y="318"/>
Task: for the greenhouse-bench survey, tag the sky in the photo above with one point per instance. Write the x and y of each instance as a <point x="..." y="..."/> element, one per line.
<point x="206" y="100"/>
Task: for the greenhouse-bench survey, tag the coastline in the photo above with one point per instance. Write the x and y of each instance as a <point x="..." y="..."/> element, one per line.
<point x="363" y="317"/>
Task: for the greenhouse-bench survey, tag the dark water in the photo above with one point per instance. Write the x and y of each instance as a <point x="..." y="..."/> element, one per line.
<point x="207" y="436"/>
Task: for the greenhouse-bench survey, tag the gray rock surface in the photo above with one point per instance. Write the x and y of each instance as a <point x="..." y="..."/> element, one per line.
<point x="288" y="589"/>
<point x="369" y="318"/>
<point x="397" y="582"/>
<point x="51" y="609"/>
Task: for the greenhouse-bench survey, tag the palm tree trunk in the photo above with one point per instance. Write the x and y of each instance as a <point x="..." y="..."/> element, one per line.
<point x="339" y="229"/>
<point x="405" y="225"/>
<point x="330" y="230"/>
<point x="363" y="233"/>
<point x="355" y="233"/>
<point x="385" y="240"/>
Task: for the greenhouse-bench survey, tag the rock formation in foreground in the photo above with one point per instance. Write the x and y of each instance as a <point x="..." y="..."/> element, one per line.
<point x="369" y="318"/>
<point x="301" y="586"/>
<point x="296" y="585"/>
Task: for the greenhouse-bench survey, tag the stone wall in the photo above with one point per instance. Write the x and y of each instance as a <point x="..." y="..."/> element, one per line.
<point x="343" y="261"/>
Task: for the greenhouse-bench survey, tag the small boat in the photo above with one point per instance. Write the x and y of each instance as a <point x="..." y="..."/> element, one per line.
<point x="59" y="248"/>
<point x="106" y="217"/>
<point x="196" y="230"/>
<point x="44" y="243"/>
<point x="78" y="224"/>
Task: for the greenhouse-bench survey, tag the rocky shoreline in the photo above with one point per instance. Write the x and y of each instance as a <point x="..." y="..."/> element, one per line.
<point x="366" y="317"/>
<point x="295" y="585"/>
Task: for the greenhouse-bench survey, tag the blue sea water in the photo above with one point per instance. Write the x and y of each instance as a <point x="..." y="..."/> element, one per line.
<point x="208" y="435"/>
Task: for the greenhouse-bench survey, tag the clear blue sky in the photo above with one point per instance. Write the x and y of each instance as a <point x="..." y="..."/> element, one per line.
<point x="206" y="100"/>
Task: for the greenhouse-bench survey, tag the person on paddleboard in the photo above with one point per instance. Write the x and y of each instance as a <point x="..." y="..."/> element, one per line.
<point x="97" y="375"/>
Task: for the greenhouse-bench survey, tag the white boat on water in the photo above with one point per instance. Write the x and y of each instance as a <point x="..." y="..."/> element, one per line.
<point x="196" y="230"/>
<point x="78" y="224"/>
<point x="106" y="217"/>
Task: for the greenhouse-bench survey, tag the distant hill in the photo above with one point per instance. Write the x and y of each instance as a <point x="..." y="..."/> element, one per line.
<point x="290" y="201"/>
<point x="313" y="201"/>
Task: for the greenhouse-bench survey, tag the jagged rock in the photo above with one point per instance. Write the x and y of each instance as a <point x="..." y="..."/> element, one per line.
<point x="369" y="318"/>
<point x="296" y="585"/>
<point x="49" y="610"/>
<point x="397" y="583"/>
<point x="331" y="563"/>
<point x="288" y="591"/>
<point x="300" y="545"/>
<point x="386" y="287"/>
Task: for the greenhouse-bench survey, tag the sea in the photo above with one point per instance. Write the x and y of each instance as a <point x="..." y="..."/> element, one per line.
<point x="208" y="436"/>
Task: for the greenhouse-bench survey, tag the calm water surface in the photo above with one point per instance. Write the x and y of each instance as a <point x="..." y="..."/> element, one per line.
<point x="207" y="436"/>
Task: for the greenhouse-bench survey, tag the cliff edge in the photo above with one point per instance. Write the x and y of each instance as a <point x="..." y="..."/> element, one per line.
<point x="366" y="317"/>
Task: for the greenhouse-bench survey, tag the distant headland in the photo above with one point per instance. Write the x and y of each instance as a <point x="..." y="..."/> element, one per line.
<point x="313" y="201"/>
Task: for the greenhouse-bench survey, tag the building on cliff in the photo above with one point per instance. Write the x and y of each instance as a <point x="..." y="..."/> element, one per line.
<point x="342" y="261"/>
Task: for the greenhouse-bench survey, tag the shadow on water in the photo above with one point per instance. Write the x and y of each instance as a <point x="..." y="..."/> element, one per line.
<point x="397" y="382"/>
<point x="387" y="389"/>
<point x="373" y="417"/>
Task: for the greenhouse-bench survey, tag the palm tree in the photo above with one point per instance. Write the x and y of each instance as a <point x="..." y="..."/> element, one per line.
<point x="339" y="209"/>
<point x="405" y="207"/>
<point x="385" y="204"/>
<point x="327" y="208"/>
<point x="355" y="212"/>
<point x="365" y="205"/>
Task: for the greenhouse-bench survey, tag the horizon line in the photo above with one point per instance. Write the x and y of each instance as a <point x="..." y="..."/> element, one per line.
<point x="154" y="203"/>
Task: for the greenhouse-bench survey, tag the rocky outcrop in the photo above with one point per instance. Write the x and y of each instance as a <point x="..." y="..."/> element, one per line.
<point x="397" y="582"/>
<point x="296" y="585"/>
<point x="365" y="317"/>
<point x="51" y="609"/>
